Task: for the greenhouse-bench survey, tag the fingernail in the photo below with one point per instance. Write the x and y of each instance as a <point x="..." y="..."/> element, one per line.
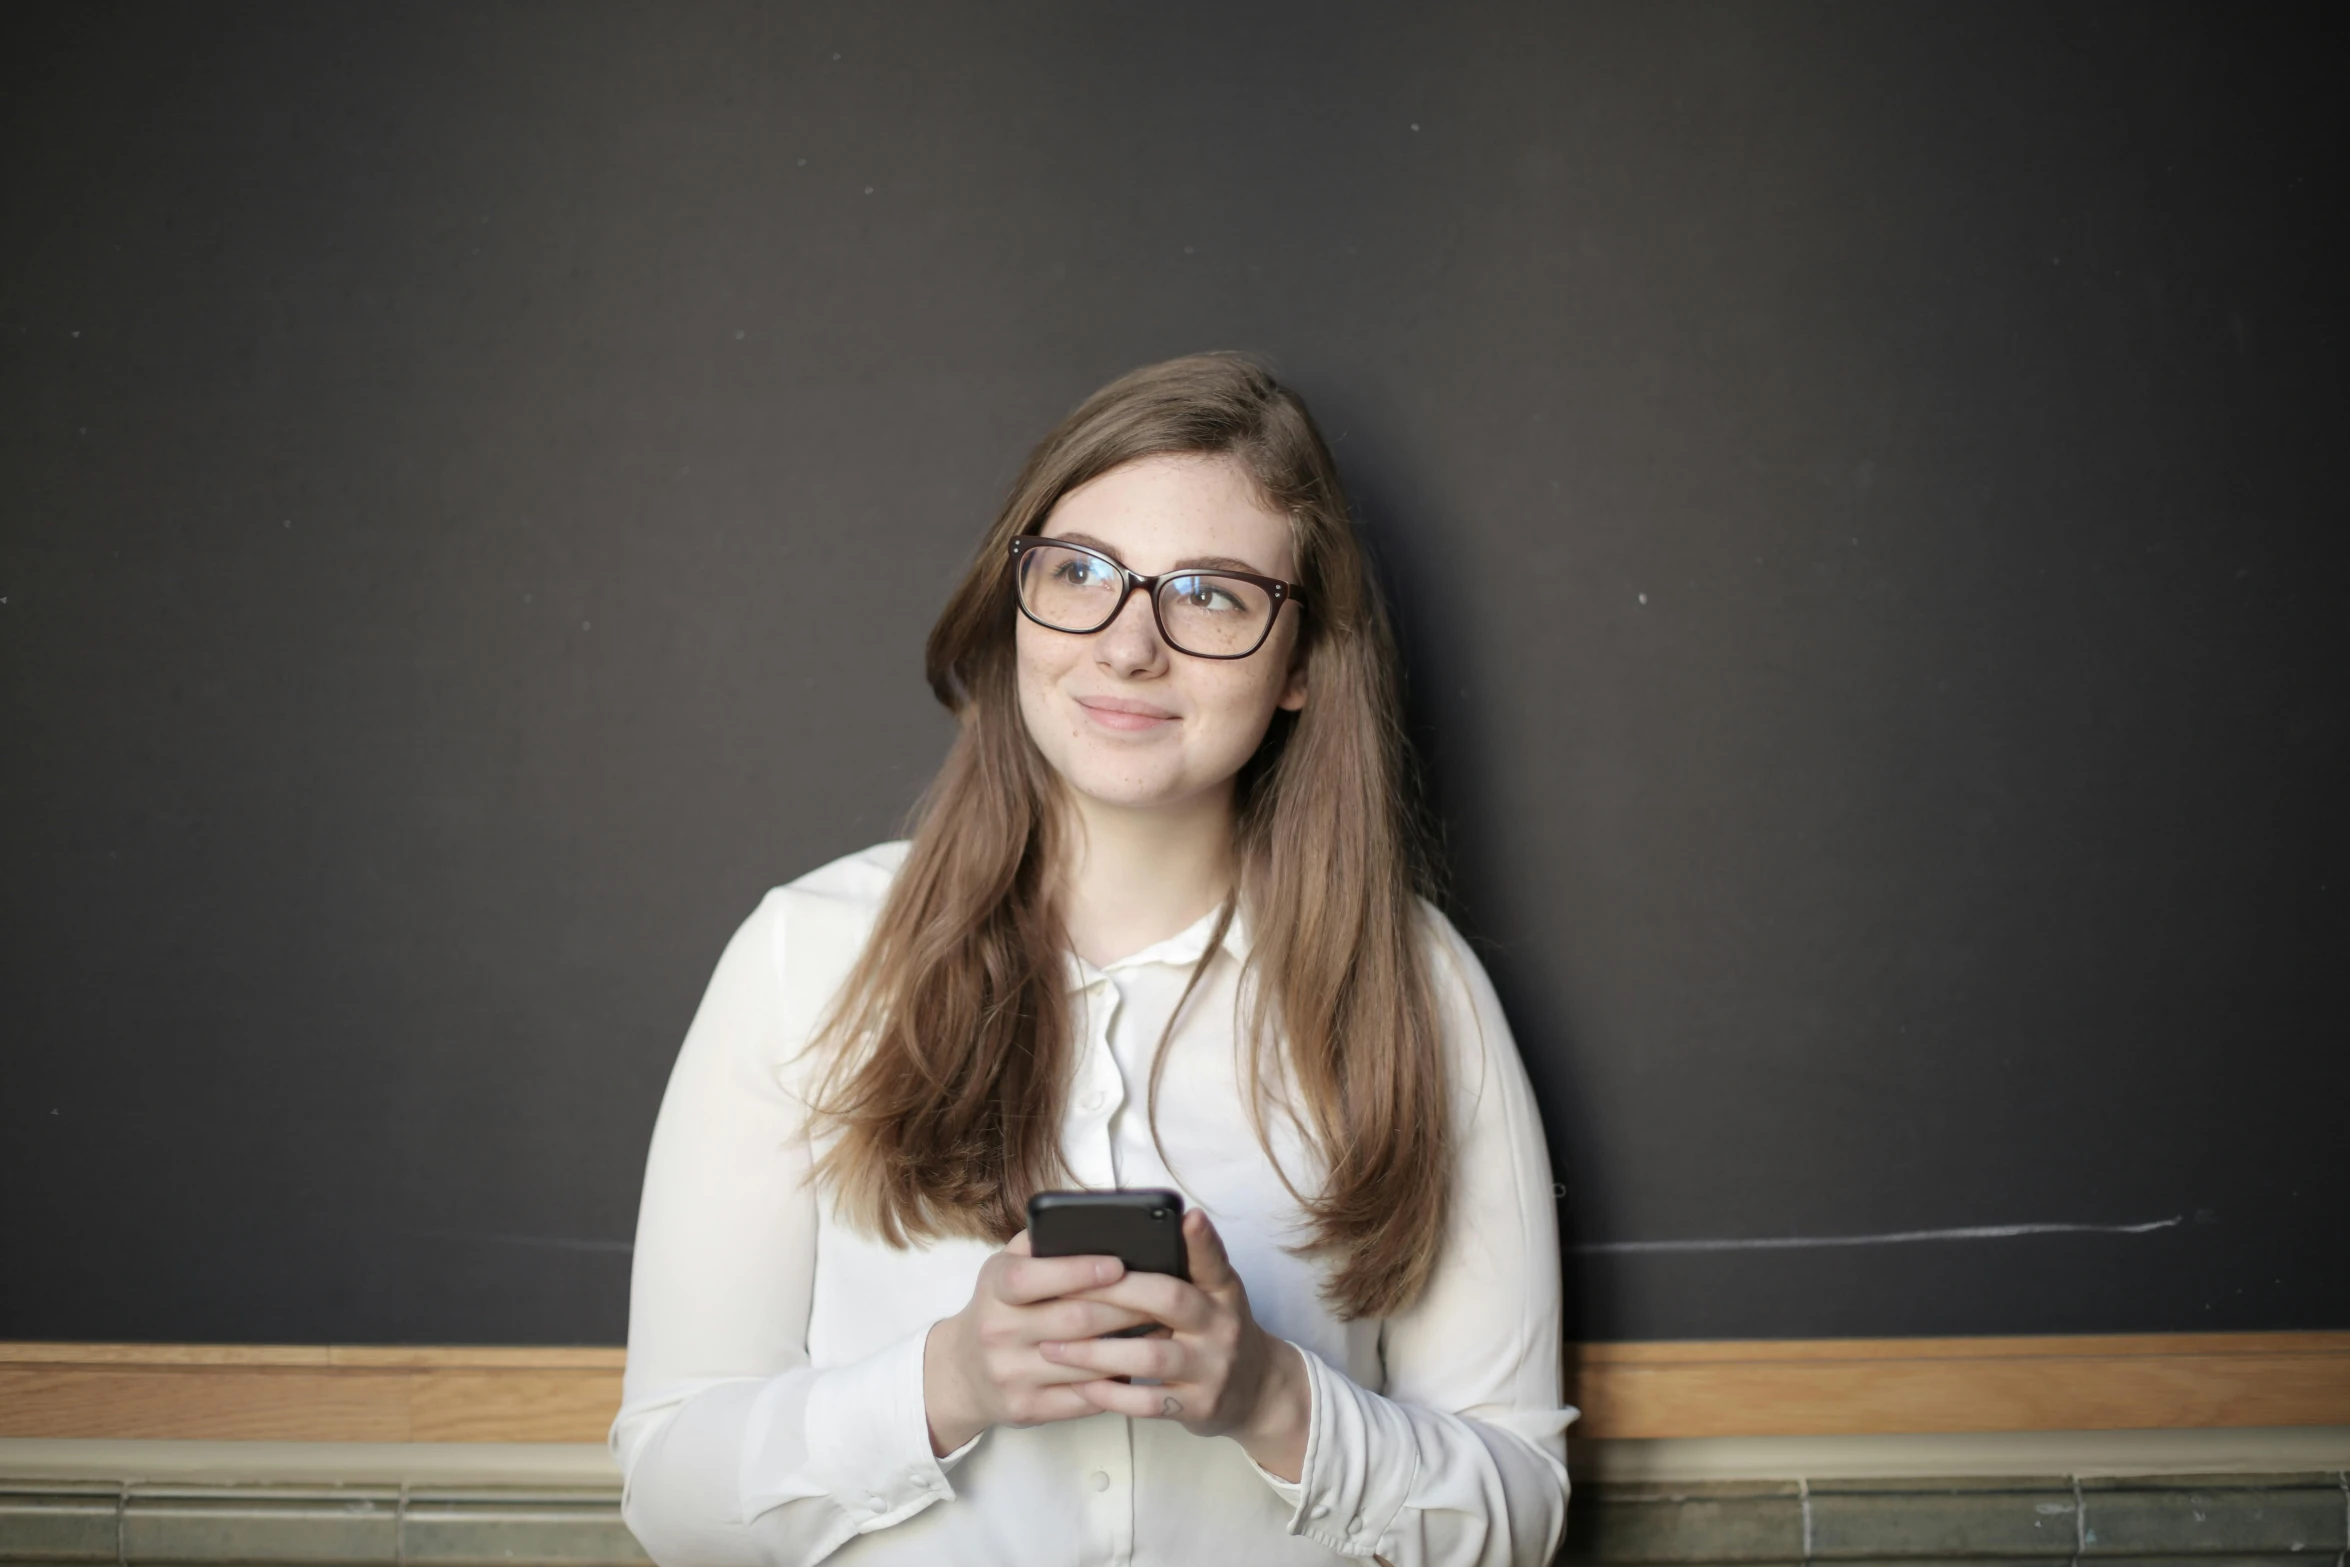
<point x="1049" y="1348"/>
<point x="1105" y="1270"/>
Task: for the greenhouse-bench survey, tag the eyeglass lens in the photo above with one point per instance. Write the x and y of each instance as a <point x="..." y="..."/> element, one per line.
<point x="1201" y="612"/>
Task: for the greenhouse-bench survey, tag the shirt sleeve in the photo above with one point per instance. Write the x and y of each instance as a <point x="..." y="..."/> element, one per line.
<point x="1462" y="1460"/>
<point x="735" y="1452"/>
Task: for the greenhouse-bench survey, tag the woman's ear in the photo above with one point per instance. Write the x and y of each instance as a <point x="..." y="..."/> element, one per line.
<point x="1293" y="694"/>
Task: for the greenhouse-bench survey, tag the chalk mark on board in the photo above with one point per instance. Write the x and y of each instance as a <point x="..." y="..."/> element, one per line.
<point x="1978" y="1232"/>
<point x="542" y="1242"/>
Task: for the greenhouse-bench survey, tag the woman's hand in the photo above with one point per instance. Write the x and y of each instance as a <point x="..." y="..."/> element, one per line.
<point x="1217" y="1372"/>
<point x="981" y="1367"/>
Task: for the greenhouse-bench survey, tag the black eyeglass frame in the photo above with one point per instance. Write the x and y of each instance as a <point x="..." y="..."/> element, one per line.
<point x="1282" y="593"/>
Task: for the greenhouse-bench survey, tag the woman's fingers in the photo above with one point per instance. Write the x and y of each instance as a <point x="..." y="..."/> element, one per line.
<point x="1161" y="1297"/>
<point x="1211" y="1265"/>
<point x="1142" y="1403"/>
<point x="1023" y="1281"/>
<point x="1161" y="1359"/>
<point x="1078" y="1319"/>
<point x="1179" y="1303"/>
<point x="1045" y="1403"/>
<point x="983" y="1367"/>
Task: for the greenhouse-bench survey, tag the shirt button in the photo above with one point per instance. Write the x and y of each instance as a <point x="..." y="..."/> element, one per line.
<point x="1319" y="1510"/>
<point x="1354" y="1525"/>
<point x="1100" y="1480"/>
<point x="1093" y="1101"/>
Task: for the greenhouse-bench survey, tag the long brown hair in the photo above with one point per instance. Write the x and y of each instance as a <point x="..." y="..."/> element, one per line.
<point x="950" y="1046"/>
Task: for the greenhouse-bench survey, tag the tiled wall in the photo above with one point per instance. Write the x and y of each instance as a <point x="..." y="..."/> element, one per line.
<point x="338" y="1527"/>
<point x="2211" y="1521"/>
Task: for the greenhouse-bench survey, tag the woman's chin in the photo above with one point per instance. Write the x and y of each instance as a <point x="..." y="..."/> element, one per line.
<point x="1126" y="792"/>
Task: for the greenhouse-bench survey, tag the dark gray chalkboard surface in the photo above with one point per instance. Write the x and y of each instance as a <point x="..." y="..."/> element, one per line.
<point x="1865" y="488"/>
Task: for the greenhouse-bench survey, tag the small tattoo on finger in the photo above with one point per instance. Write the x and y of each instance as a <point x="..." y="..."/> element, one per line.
<point x="1168" y="1406"/>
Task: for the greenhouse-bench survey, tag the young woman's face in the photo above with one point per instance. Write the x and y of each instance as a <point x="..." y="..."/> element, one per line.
<point x="1125" y="719"/>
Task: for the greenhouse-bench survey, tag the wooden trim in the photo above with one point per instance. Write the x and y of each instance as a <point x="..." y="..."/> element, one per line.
<point x="498" y="1357"/>
<point x="1826" y="1387"/>
<point x="308" y="1392"/>
<point x="1811" y="1387"/>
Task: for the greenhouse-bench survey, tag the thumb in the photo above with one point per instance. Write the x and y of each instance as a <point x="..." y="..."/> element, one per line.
<point x="1211" y="1266"/>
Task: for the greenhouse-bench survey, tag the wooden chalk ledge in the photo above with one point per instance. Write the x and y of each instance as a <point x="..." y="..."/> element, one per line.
<point x="1813" y="1387"/>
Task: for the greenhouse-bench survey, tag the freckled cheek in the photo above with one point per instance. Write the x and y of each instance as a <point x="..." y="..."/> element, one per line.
<point x="1228" y="718"/>
<point x="1240" y="701"/>
<point x="1046" y="722"/>
<point x="1038" y="671"/>
<point x="1029" y="660"/>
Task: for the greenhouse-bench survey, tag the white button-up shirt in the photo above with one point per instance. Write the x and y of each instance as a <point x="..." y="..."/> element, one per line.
<point x="773" y="1405"/>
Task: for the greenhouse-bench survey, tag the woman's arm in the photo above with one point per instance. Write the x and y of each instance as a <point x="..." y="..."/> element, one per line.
<point x="1463" y="1460"/>
<point x="736" y="1453"/>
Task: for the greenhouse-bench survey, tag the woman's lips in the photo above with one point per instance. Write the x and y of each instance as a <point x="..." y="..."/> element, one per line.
<point x="1120" y="713"/>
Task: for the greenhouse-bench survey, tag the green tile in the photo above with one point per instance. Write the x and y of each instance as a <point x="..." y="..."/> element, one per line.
<point x="262" y="1525"/>
<point x="2311" y="1480"/>
<point x="478" y="1529"/>
<point x="52" y="1528"/>
<point x="1683" y="1490"/>
<point x="1954" y="1561"/>
<point x="1939" y="1523"/>
<point x="1687" y="1528"/>
<point x="1917" y="1485"/>
<point x="2215" y="1520"/>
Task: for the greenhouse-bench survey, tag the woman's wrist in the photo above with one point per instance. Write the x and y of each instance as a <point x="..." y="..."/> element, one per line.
<point x="1276" y="1430"/>
<point x="952" y="1421"/>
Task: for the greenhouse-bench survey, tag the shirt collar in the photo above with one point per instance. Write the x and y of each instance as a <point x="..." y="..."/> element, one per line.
<point x="1180" y="950"/>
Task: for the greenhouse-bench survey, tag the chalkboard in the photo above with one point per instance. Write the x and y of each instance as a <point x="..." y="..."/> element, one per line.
<point x="1863" y="487"/>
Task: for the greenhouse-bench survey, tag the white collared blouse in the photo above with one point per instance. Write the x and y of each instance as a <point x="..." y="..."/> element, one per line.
<point x="773" y="1413"/>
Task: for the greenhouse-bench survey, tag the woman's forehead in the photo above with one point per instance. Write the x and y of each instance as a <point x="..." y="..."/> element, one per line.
<point x="1158" y="513"/>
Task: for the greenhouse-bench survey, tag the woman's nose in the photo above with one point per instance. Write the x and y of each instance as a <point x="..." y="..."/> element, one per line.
<point x="1130" y="644"/>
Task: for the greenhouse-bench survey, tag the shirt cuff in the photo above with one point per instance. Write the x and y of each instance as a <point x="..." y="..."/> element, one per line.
<point x="1361" y="1463"/>
<point x="867" y="1442"/>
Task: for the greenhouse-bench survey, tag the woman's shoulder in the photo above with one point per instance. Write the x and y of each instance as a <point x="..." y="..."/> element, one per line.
<point x="814" y="927"/>
<point x="853" y="884"/>
<point x="809" y="932"/>
<point x="1476" y="1032"/>
<point x="822" y="919"/>
<point x="1451" y="960"/>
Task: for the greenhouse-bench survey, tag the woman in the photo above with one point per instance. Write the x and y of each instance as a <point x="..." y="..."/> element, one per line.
<point x="1159" y="925"/>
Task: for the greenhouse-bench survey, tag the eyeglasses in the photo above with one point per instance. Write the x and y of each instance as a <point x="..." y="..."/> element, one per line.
<point x="1207" y="614"/>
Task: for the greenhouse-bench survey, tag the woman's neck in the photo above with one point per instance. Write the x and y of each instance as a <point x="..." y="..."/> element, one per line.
<point x="1132" y="878"/>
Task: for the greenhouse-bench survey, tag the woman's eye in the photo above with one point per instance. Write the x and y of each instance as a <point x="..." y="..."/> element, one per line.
<point x="1081" y="573"/>
<point x="1204" y="593"/>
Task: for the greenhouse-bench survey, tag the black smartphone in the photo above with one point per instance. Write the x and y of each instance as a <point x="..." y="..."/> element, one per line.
<point x="1142" y="1229"/>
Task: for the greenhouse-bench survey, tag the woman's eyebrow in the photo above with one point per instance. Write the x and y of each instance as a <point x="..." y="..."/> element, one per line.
<point x="1090" y="542"/>
<point x="1216" y="563"/>
<point x="1189" y="563"/>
